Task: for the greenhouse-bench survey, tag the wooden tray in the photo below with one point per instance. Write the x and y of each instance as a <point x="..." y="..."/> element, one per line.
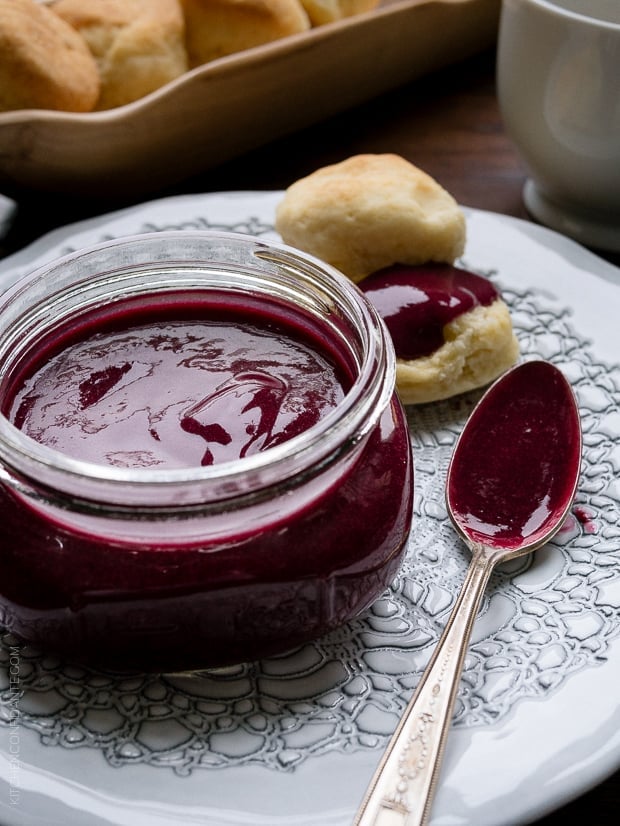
<point x="237" y="103"/>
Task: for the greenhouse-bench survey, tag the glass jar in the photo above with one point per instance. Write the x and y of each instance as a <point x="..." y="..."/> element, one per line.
<point x="178" y="568"/>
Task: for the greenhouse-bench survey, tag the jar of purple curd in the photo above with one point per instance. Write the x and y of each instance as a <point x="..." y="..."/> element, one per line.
<point x="203" y="460"/>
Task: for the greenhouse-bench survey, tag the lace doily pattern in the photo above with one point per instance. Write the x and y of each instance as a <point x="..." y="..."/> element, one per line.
<point x="543" y="618"/>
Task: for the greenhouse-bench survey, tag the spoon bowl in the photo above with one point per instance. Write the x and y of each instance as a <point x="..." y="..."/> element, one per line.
<point x="513" y="474"/>
<point x="511" y="482"/>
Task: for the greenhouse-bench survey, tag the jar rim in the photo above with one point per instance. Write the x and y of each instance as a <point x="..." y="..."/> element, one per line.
<point x="322" y="443"/>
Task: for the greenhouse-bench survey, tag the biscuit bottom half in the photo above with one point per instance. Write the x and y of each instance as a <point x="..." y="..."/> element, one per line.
<point x="479" y="346"/>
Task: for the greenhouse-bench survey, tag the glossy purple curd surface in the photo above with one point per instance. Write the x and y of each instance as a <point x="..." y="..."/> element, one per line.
<point x="515" y="469"/>
<point x="174" y="392"/>
<point x="258" y="587"/>
<point x="416" y="302"/>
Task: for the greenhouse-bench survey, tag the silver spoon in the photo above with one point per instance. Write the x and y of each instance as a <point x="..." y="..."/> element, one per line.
<point x="511" y="482"/>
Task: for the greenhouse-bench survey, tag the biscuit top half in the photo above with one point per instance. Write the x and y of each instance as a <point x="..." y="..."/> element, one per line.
<point x="369" y="212"/>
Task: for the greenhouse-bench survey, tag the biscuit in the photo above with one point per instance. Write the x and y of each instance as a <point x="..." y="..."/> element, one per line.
<point x="371" y="211"/>
<point x="139" y="46"/>
<point x="479" y="346"/>
<point x="216" y="28"/>
<point x="377" y="219"/>
<point x="326" y="11"/>
<point x="450" y="327"/>
<point x="44" y="63"/>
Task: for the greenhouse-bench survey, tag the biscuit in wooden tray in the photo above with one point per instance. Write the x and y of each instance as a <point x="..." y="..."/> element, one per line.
<point x="327" y="11"/>
<point x="216" y="28"/>
<point x="44" y="62"/>
<point x="138" y="46"/>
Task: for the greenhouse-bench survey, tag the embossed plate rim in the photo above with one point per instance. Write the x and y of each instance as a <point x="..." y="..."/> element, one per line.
<point x="554" y="752"/>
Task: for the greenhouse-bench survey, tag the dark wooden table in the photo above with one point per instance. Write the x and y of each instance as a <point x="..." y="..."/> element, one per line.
<point x="449" y="125"/>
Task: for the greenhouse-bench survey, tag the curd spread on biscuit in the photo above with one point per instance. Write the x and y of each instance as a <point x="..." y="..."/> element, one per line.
<point x="416" y="302"/>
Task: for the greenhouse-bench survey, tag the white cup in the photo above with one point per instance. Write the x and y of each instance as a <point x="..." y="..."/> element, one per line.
<point x="558" y="85"/>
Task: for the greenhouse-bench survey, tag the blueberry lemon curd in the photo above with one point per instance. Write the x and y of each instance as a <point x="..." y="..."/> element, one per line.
<point x="195" y="475"/>
<point x="418" y="301"/>
<point x="166" y="387"/>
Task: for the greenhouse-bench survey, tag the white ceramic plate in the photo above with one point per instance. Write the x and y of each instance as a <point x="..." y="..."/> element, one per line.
<point x="294" y="740"/>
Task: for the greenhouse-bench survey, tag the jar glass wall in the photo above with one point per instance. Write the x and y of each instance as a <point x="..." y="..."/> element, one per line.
<point x="174" y="568"/>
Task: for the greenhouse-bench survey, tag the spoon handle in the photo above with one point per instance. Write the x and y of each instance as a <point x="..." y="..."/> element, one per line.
<point x="402" y="788"/>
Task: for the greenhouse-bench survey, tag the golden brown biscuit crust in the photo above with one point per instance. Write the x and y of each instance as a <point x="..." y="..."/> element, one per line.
<point x="216" y="28"/>
<point x="139" y="46"/>
<point x="369" y="212"/>
<point x="44" y="63"/>
<point x="326" y="11"/>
